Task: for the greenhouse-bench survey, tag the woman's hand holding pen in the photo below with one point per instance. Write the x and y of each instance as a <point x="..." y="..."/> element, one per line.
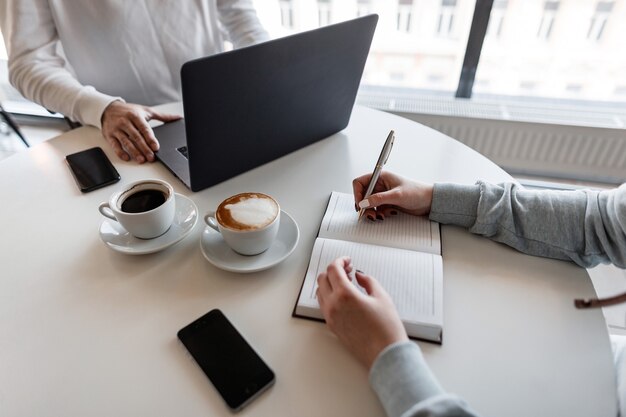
<point x="392" y="193"/>
<point x="365" y="323"/>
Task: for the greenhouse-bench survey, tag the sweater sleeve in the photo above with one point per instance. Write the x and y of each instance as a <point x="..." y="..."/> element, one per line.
<point x="586" y="227"/>
<point x="407" y="388"/>
<point x="38" y="70"/>
<point x="241" y="23"/>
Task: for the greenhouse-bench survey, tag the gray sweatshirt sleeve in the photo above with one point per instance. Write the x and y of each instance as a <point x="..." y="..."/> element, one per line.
<point x="407" y="388"/>
<point x="587" y="227"/>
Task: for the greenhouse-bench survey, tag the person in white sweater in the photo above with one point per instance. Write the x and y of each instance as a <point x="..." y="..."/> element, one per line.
<point x="585" y="227"/>
<point x="103" y="63"/>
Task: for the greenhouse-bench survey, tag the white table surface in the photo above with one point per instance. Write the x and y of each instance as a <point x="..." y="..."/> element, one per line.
<point x="85" y="331"/>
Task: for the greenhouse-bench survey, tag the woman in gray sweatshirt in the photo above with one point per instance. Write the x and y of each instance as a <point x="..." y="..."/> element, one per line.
<point x="586" y="227"/>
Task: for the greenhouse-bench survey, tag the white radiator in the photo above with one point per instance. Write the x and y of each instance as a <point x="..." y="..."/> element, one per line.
<point x="542" y="145"/>
<point x="577" y="153"/>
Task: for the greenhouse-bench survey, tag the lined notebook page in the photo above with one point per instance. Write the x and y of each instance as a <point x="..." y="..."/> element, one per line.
<point x="402" y="231"/>
<point x="413" y="279"/>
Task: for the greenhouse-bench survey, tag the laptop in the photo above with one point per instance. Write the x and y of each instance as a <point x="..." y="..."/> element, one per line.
<point x="249" y="106"/>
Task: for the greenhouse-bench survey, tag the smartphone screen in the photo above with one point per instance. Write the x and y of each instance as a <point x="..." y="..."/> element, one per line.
<point x="92" y="169"/>
<point x="233" y="367"/>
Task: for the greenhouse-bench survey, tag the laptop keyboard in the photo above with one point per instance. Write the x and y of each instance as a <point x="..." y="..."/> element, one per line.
<point x="183" y="151"/>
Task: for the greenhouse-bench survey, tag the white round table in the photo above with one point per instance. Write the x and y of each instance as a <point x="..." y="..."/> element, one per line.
<point x="86" y="331"/>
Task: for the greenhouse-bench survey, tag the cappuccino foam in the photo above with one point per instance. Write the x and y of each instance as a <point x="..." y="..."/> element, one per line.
<point x="247" y="211"/>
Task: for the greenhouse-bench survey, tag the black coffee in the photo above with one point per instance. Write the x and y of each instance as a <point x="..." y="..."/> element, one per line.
<point x="144" y="200"/>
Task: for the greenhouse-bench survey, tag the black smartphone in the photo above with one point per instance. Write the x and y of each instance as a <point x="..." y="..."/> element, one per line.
<point x="92" y="169"/>
<point x="233" y="367"/>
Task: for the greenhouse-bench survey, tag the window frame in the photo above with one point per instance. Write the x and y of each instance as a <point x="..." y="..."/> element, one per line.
<point x="478" y="31"/>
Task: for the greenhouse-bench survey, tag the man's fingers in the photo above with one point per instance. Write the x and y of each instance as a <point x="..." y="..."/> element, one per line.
<point x="129" y="146"/>
<point x="164" y="117"/>
<point x="140" y="123"/>
<point x="142" y="126"/>
<point x="117" y="147"/>
<point x="139" y="141"/>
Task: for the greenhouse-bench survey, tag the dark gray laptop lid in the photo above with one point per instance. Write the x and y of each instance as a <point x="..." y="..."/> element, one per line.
<point x="252" y="105"/>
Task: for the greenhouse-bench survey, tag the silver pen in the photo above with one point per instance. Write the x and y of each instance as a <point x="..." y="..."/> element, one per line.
<point x="382" y="160"/>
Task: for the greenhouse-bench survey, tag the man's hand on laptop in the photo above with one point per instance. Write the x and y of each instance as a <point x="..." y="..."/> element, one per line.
<point x="125" y="126"/>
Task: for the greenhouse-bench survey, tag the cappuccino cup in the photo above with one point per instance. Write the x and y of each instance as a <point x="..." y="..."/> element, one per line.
<point x="248" y="222"/>
<point x="144" y="208"/>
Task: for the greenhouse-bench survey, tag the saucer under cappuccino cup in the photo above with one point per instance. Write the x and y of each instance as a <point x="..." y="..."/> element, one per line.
<point x="144" y="208"/>
<point x="248" y="222"/>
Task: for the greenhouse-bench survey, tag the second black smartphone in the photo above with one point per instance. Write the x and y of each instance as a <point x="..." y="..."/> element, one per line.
<point x="92" y="169"/>
<point x="233" y="367"/>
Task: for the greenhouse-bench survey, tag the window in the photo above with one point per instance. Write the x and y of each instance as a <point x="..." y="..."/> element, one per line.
<point x="620" y="91"/>
<point x="572" y="66"/>
<point x="535" y="48"/>
<point x="286" y="13"/>
<point x="406" y="52"/>
<point x="527" y="86"/>
<point x="547" y="20"/>
<point x="496" y="21"/>
<point x="599" y="19"/>
<point x="363" y="8"/>
<point x="397" y="77"/>
<point x="573" y="88"/>
<point x="323" y="12"/>
<point x="446" y="22"/>
<point x="404" y="15"/>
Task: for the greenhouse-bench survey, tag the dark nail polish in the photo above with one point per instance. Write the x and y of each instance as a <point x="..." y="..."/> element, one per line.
<point x="371" y="218"/>
<point x="359" y="271"/>
<point x="394" y="212"/>
<point x="380" y="217"/>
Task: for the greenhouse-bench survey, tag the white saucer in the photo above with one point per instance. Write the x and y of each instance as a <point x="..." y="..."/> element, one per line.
<point x="117" y="238"/>
<point x="217" y="252"/>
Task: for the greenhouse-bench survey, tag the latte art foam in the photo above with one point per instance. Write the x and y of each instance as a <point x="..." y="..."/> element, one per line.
<point x="247" y="211"/>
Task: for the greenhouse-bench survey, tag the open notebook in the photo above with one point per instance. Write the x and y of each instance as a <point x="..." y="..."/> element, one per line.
<point x="403" y="253"/>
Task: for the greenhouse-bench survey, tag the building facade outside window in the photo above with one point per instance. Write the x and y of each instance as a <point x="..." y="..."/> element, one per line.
<point x="496" y="21"/>
<point x="324" y="12"/>
<point x="419" y="45"/>
<point x="404" y="15"/>
<point x="445" y="25"/>
<point x="364" y="7"/>
<point x="550" y="8"/>
<point x="599" y="20"/>
<point x="286" y="14"/>
<point x="568" y="49"/>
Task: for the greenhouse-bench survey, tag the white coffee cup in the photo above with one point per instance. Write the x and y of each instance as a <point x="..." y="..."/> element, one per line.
<point x="144" y="208"/>
<point x="248" y="222"/>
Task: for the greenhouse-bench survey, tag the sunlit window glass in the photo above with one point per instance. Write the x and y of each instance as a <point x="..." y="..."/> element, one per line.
<point x="599" y="20"/>
<point x="404" y="15"/>
<point x="418" y="44"/>
<point x="554" y="49"/>
<point x="364" y="7"/>
<point x="286" y="13"/>
<point x="324" y="12"/>
<point x="447" y="13"/>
